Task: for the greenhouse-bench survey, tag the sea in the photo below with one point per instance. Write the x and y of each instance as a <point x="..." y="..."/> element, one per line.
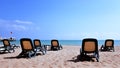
<point x="67" y="42"/>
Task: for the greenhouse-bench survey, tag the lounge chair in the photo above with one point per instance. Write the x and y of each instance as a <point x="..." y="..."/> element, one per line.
<point x="39" y="47"/>
<point x="7" y="46"/>
<point x="108" y="46"/>
<point x="89" y="46"/>
<point x="55" y="45"/>
<point x="27" y="48"/>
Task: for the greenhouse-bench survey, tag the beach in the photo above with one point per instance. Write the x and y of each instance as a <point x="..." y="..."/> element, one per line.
<point x="65" y="58"/>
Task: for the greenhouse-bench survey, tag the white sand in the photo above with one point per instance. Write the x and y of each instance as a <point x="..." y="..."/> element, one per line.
<point x="60" y="59"/>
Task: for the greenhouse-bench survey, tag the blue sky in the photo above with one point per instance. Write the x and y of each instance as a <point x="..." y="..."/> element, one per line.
<point x="60" y="19"/>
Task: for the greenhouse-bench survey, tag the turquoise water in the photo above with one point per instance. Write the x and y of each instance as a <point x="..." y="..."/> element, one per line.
<point x="67" y="42"/>
<point x="78" y="42"/>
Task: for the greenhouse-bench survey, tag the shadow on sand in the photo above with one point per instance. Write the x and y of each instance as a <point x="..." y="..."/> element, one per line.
<point x="17" y="57"/>
<point x="3" y="53"/>
<point x="81" y="59"/>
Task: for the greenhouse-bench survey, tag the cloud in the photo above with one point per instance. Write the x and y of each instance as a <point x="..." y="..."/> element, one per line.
<point x="23" y="22"/>
<point x="15" y="24"/>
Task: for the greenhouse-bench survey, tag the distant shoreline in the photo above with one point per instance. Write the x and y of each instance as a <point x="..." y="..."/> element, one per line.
<point x="67" y="42"/>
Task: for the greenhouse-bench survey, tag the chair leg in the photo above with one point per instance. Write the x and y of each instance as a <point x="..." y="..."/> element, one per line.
<point x="81" y="53"/>
<point x="61" y="47"/>
<point x="113" y="49"/>
<point x="11" y="50"/>
<point x="102" y="48"/>
<point x="97" y="59"/>
<point x="35" y="53"/>
<point x="43" y="50"/>
<point x="31" y="54"/>
<point x="51" y="48"/>
<point x="97" y="56"/>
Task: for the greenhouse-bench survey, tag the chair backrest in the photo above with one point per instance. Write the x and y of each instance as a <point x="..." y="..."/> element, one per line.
<point x="89" y="45"/>
<point x="109" y="43"/>
<point x="26" y="44"/>
<point x="6" y="42"/>
<point x="54" y="43"/>
<point x="37" y="42"/>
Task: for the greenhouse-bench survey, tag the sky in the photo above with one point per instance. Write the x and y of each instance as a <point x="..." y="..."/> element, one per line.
<point x="60" y="19"/>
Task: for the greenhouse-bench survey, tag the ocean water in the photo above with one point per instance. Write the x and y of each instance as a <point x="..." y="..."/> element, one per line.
<point x="67" y="42"/>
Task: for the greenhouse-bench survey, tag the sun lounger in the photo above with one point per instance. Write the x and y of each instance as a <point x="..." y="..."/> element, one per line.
<point x="55" y="45"/>
<point x="108" y="46"/>
<point x="7" y="46"/>
<point x="89" y="46"/>
<point x="39" y="47"/>
<point x="27" y="48"/>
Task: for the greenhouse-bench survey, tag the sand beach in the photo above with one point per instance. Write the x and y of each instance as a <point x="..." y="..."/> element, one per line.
<point x="65" y="58"/>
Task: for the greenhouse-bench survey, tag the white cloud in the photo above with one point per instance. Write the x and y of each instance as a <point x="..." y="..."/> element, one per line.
<point x="14" y="24"/>
<point x="23" y="22"/>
